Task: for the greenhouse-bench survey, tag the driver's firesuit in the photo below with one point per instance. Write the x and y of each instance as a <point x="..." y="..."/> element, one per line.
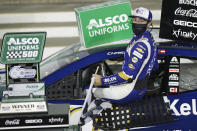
<point x="140" y="59"/>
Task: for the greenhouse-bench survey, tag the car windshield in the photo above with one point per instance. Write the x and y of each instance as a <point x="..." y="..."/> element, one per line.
<point x="59" y="59"/>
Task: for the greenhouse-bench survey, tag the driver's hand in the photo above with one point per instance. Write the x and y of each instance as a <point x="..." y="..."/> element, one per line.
<point x="97" y="81"/>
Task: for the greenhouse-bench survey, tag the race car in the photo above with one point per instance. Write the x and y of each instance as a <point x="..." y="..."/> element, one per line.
<point x="172" y="88"/>
<point x="67" y="73"/>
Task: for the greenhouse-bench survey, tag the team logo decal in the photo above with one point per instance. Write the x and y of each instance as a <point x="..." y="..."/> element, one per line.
<point x="134" y="59"/>
<point x="132" y="67"/>
<point x="140" y="50"/>
<point x="135" y="53"/>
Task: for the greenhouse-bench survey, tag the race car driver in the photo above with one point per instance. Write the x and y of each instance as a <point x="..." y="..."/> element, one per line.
<point x="140" y="59"/>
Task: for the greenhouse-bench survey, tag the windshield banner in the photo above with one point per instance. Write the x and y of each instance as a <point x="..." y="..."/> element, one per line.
<point x="179" y="20"/>
<point x="104" y="23"/>
<point x="22" y="47"/>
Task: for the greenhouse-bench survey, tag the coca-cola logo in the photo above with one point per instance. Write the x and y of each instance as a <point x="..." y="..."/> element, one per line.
<point x="188" y="13"/>
<point x="12" y="122"/>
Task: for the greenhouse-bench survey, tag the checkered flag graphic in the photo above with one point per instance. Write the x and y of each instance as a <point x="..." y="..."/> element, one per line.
<point x="14" y="54"/>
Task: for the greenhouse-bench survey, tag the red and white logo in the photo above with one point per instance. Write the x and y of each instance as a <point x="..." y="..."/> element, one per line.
<point x="173" y="70"/>
<point x="173" y="89"/>
<point x="162" y="51"/>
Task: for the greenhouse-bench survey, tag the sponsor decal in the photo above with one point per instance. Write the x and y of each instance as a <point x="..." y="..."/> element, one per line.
<point x="140" y="11"/>
<point x="173" y="83"/>
<point x="188" y="2"/>
<point x="131" y="66"/>
<point x="137" y="54"/>
<point x="185" y="34"/>
<point x="174" y="66"/>
<point x="161" y="51"/>
<point x="134" y="59"/>
<point x="184" y="109"/>
<point x="112" y="23"/>
<point x="12" y="122"/>
<point x="32" y="86"/>
<point x="174" y="77"/>
<point x="23" y="41"/>
<point x="116" y="53"/>
<point x="103" y="26"/>
<point x="178" y="20"/>
<point x="140" y="50"/>
<point x="56" y="120"/>
<point x="185" y="23"/>
<point x="41" y="107"/>
<point x="30" y="121"/>
<point x="141" y="46"/>
<point x="23" y="107"/>
<point x="107" y="80"/>
<point x="6" y="108"/>
<point x="174" y="70"/>
<point x="188" y="13"/>
<point x="174" y="60"/>
<point x="173" y="89"/>
<point x="22" y="47"/>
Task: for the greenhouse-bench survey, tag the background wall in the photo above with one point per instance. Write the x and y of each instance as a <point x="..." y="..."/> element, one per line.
<point x="56" y="17"/>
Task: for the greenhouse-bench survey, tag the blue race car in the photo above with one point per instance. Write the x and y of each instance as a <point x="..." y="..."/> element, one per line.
<point x="174" y="84"/>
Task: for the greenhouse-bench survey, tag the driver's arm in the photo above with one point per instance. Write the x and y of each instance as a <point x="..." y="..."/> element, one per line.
<point x="134" y="58"/>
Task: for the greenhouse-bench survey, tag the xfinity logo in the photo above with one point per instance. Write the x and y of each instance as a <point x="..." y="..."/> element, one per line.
<point x="34" y="121"/>
<point x="13" y="122"/>
<point x="184" y="109"/>
<point x="56" y="120"/>
<point x="184" y="34"/>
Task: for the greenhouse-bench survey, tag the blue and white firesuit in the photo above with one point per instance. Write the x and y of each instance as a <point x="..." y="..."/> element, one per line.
<point x="140" y="59"/>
